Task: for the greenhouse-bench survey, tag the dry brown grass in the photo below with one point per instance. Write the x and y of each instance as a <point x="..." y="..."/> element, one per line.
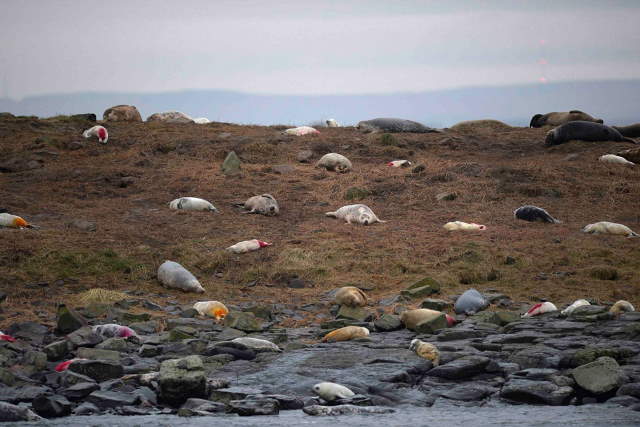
<point x="492" y="173"/>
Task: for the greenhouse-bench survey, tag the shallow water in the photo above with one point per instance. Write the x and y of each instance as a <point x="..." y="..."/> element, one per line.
<point x="436" y="416"/>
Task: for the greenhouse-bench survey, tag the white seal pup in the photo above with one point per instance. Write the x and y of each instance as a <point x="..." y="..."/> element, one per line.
<point x="612" y="158"/>
<point x="173" y="275"/>
<point x="351" y="297"/>
<point x="606" y="227"/>
<point x="201" y="120"/>
<point x="334" y="162"/>
<point x="459" y="225"/>
<point x="247" y="246"/>
<point x="359" y="213"/>
<point x="558" y="118"/>
<point x="301" y="130"/>
<point x="332" y="391"/>
<point x="578" y="303"/>
<point x="12" y="221"/>
<point x="332" y="123"/>
<point x="399" y="164"/>
<point x="620" y="307"/>
<point x="264" y="204"/>
<point x="98" y="131"/>
<point x="214" y="309"/>
<point x="192" y="204"/>
<point x="111" y="330"/>
<point x="534" y="213"/>
<point x="583" y="131"/>
<point x="346" y="334"/>
<point x="540" y="308"/>
<point x="470" y="302"/>
<point x="426" y="351"/>
<point x="258" y="345"/>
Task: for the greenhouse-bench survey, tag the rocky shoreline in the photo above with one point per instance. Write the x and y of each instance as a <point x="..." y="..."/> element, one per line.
<point x="180" y="364"/>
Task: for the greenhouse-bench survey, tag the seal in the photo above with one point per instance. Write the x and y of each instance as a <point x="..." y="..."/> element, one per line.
<point x="533" y="213"/>
<point x="393" y="125"/>
<point x="470" y="302"/>
<point x="459" y="225"/>
<point x="359" y="213"/>
<point x="426" y="351"/>
<point x="192" y="204"/>
<point x="301" y="130"/>
<point x="346" y="334"/>
<point x="631" y="131"/>
<point x="578" y="303"/>
<point x="332" y="391"/>
<point x="399" y="164"/>
<point x="11" y="412"/>
<point x="583" y="131"/>
<point x="605" y="227"/>
<point x="214" y="309"/>
<point x="351" y="297"/>
<point x="612" y="158"/>
<point x="258" y="345"/>
<point x="412" y="318"/>
<point x="332" y="123"/>
<point x="174" y="276"/>
<point x="98" y="131"/>
<point x="111" y="330"/>
<point x="12" y="221"/>
<point x="264" y="204"/>
<point x="170" y="117"/>
<point x="559" y="118"/>
<point x="122" y="113"/>
<point x="620" y="307"/>
<point x="247" y="246"/>
<point x="334" y="162"/>
<point x="540" y="308"/>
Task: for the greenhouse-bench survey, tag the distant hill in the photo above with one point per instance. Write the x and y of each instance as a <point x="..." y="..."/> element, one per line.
<point x="617" y="102"/>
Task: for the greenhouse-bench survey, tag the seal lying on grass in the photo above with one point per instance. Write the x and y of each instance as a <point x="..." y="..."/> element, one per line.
<point x="583" y="131"/>
<point x="359" y="213"/>
<point x="392" y="125"/>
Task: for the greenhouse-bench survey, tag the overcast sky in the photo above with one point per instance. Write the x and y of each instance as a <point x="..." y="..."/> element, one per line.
<point x="311" y="47"/>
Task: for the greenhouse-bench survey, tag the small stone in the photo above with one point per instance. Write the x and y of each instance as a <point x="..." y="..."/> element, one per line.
<point x="83" y="225"/>
<point x="419" y="169"/>
<point x="509" y="260"/>
<point x="296" y="283"/>
<point x="231" y="164"/>
<point x="86" y="408"/>
<point x="83" y="337"/>
<point x="283" y="169"/>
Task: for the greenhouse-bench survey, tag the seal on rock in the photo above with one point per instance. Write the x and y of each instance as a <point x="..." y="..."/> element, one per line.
<point x="612" y="158"/>
<point x="470" y="302"/>
<point x="540" y="308"/>
<point x="332" y="123"/>
<point x="345" y="334"/>
<point x="192" y="204"/>
<point x="334" y="162"/>
<point x="533" y="213"/>
<point x="264" y="204"/>
<point x="247" y="246"/>
<point x="214" y="309"/>
<point x="393" y="125"/>
<point x="301" y="130"/>
<point x="359" y="213"/>
<point x="174" y="276"/>
<point x="332" y="391"/>
<point x="606" y="227"/>
<point x="12" y="221"/>
<point x="459" y="225"/>
<point x="620" y="307"/>
<point x="426" y="351"/>
<point x="351" y="297"/>
<point x="631" y="131"/>
<point x="258" y="345"/>
<point x="559" y="118"/>
<point x="583" y="131"/>
<point x="578" y="303"/>
<point x="98" y="131"/>
<point x="399" y="164"/>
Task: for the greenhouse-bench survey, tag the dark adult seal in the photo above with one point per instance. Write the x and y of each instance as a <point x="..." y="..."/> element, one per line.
<point x="534" y="213"/>
<point x="584" y="131"/>
<point x="558" y="118"/>
<point x="391" y="125"/>
<point x="631" y="131"/>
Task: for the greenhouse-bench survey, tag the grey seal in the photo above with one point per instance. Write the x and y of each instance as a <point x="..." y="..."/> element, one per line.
<point x="470" y="302"/>
<point x="264" y="204"/>
<point x="631" y="131"/>
<point x="558" y="118"/>
<point x="392" y="125"/>
<point x="583" y="131"/>
<point x="533" y="213"/>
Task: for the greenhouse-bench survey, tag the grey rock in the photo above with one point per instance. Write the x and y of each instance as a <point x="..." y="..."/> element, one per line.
<point x="358" y="314"/>
<point x="68" y="320"/>
<point x="51" y="406"/>
<point x="469" y="392"/>
<point x="431" y="326"/>
<point x="304" y="156"/>
<point x="181" y="379"/>
<point x="111" y="399"/>
<point x="56" y="350"/>
<point x="285" y="402"/>
<point x="319" y="410"/>
<point x="80" y="390"/>
<point x="31" y="331"/>
<point x="435" y="304"/>
<point x="226" y="395"/>
<point x="201" y="407"/>
<point x="470" y="302"/>
<point x="144" y="328"/>
<point x="464" y="367"/>
<point x="98" y="370"/>
<point x="537" y="356"/>
<point x="387" y="323"/>
<point x="86" y="408"/>
<point x="119" y="345"/>
<point x="83" y="337"/>
<point x="536" y="392"/>
<point x="231" y="164"/>
<point x="9" y="412"/>
<point x="97" y="354"/>
<point x="243" y="321"/>
<point x="257" y="406"/>
<point x="632" y="389"/>
<point x="22" y="394"/>
<point x="600" y="376"/>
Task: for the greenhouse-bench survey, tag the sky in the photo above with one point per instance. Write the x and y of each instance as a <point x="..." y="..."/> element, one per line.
<point x="311" y="47"/>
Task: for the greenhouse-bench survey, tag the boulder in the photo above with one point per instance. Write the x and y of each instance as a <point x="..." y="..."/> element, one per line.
<point x="80" y="390"/>
<point x="97" y="354"/>
<point x="181" y="379"/>
<point x="464" y="367"/>
<point x="536" y="392"/>
<point x="122" y="113"/>
<point x="600" y="376"/>
<point x="255" y="406"/>
<point x="434" y="304"/>
<point x="387" y="323"/>
<point x="98" y="370"/>
<point x="469" y="392"/>
<point x="170" y="117"/>
<point x="243" y="321"/>
<point x="430" y="326"/>
<point x="537" y="356"/>
<point x="9" y="412"/>
<point x="422" y="288"/>
<point x="304" y="156"/>
<point x="202" y="407"/>
<point x="56" y="350"/>
<point x="111" y="399"/>
<point x="231" y="164"/>
<point x="83" y="337"/>
<point x="358" y="314"/>
<point x="51" y="406"/>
